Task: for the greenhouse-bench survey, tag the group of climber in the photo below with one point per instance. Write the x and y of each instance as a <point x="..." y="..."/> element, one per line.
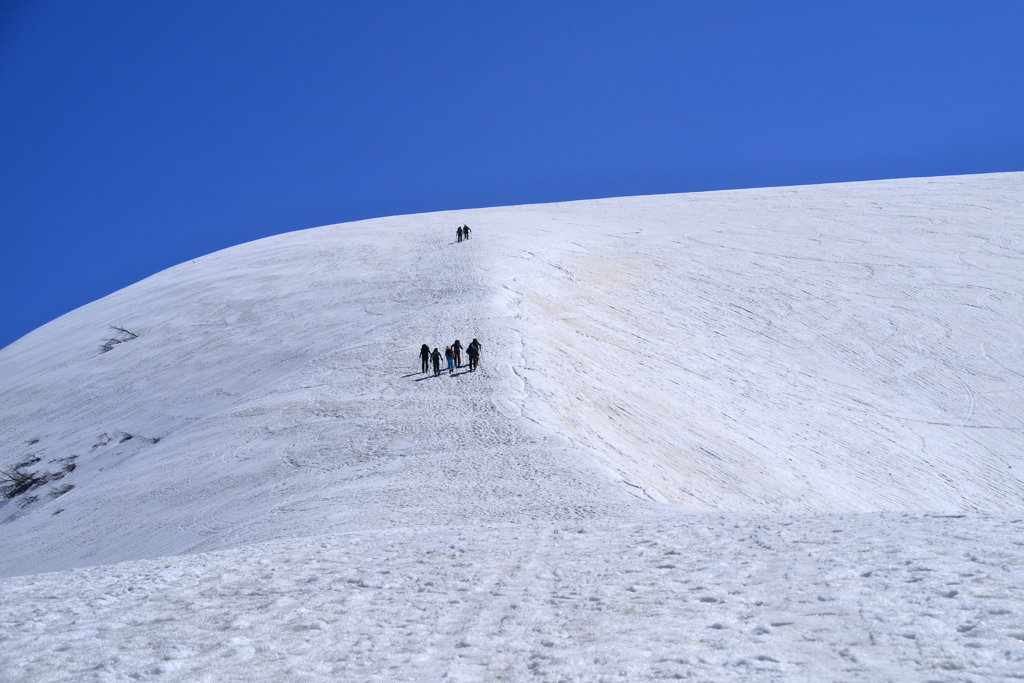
<point x="453" y="356"/>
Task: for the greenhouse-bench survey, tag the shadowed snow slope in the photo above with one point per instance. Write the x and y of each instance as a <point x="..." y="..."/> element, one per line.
<point x="853" y="347"/>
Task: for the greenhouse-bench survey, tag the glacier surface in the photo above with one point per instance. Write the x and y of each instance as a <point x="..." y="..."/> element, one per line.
<point x="768" y="434"/>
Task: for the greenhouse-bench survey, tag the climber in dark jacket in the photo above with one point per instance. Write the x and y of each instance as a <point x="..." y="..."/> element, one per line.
<point x="473" y="351"/>
<point x="435" y="356"/>
<point x="425" y="356"/>
<point x="457" y="350"/>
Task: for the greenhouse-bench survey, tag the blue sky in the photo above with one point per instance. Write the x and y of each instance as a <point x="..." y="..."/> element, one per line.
<point x="136" y="135"/>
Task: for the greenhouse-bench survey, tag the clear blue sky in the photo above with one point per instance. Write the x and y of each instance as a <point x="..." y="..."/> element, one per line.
<point x="136" y="135"/>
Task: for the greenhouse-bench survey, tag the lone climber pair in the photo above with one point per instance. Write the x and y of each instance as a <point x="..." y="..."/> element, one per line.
<point x="452" y="356"/>
<point x="463" y="233"/>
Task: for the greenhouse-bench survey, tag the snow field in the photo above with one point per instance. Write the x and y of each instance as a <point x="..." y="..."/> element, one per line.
<point x="825" y="382"/>
<point x="854" y="347"/>
<point x="724" y="596"/>
<point x="325" y="424"/>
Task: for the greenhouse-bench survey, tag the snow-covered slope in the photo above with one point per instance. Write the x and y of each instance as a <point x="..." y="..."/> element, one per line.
<point x="853" y="348"/>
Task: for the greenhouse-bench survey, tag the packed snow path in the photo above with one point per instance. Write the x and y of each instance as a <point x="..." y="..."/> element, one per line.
<point x="762" y="359"/>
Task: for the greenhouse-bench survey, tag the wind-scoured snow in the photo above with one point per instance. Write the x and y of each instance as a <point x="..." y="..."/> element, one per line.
<point x="768" y="434"/>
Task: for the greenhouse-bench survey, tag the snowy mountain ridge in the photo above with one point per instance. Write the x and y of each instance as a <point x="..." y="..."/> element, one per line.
<point x="689" y="373"/>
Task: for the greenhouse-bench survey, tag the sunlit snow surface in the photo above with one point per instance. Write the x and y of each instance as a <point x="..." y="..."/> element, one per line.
<point x="827" y="382"/>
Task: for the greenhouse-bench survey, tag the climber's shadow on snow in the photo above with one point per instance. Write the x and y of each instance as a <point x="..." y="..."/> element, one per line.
<point x="443" y="374"/>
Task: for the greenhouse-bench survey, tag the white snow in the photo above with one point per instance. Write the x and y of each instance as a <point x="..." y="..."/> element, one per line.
<point x="750" y="435"/>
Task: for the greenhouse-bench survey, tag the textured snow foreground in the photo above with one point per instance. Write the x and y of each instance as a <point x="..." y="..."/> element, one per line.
<point x="756" y="435"/>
